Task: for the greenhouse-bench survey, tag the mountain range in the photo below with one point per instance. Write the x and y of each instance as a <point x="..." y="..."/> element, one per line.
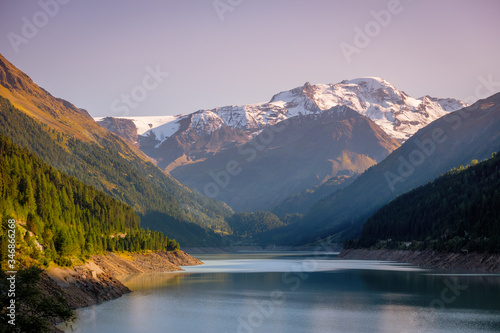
<point x="397" y="113"/>
<point x="194" y="148"/>
<point x="452" y="140"/>
<point x="290" y="157"/>
<point x="335" y="153"/>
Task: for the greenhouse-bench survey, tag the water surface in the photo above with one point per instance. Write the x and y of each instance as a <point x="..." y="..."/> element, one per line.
<point x="299" y="292"/>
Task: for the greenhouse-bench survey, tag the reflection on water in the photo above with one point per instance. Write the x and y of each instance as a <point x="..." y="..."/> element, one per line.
<point x="299" y="293"/>
<point x="149" y="281"/>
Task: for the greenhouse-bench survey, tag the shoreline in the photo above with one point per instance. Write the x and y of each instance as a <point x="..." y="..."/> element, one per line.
<point x="467" y="262"/>
<point x="98" y="280"/>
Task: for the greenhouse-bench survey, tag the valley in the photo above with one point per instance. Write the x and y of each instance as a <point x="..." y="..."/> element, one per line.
<point x="222" y="193"/>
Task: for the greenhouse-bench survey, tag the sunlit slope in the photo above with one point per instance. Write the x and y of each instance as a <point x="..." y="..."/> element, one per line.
<point x="69" y="139"/>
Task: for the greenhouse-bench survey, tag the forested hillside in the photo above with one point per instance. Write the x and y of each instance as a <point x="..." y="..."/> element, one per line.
<point x="68" y="218"/>
<point x="162" y="203"/>
<point x="252" y="223"/>
<point x="459" y="211"/>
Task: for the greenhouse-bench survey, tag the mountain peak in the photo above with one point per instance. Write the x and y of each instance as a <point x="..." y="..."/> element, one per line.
<point x="368" y="79"/>
<point x="397" y="113"/>
<point x="371" y="83"/>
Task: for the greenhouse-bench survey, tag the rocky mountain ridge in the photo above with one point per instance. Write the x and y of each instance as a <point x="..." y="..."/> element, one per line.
<point x="397" y="113"/>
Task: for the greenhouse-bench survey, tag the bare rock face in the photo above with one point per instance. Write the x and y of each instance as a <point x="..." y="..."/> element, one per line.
<point x="124" y="128"/>
<point x="83" y="285"/>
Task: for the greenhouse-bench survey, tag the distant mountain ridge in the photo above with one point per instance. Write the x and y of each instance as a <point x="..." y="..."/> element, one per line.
<point x="290" y="157"/>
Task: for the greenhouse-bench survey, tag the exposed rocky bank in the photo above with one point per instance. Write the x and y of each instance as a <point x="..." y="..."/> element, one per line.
<point x="98" y="280"/>
<point x="466" y="262"/>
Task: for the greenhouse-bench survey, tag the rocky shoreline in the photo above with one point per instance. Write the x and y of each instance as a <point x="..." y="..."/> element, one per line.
<point x="465" y="262"/>
<point x="98" y="280"/>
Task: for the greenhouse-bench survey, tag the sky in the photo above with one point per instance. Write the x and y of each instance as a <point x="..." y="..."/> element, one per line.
<point x="143" y="58"/>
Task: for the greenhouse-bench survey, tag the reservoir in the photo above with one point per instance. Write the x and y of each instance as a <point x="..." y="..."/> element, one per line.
<point x="299" y="292"/>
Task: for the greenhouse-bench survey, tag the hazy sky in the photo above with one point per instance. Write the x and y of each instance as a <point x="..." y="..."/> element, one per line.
<point x="95" y="52"/>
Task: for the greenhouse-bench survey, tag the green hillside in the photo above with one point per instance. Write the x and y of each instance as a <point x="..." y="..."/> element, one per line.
<point x="66" y="217"/>
<point x="459" y="211"/>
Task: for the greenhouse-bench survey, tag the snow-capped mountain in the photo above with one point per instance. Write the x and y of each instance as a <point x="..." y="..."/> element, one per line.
<point x="250" y="118"/>
<point x="333" y="131"/>
<point x="397" y="113"/>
